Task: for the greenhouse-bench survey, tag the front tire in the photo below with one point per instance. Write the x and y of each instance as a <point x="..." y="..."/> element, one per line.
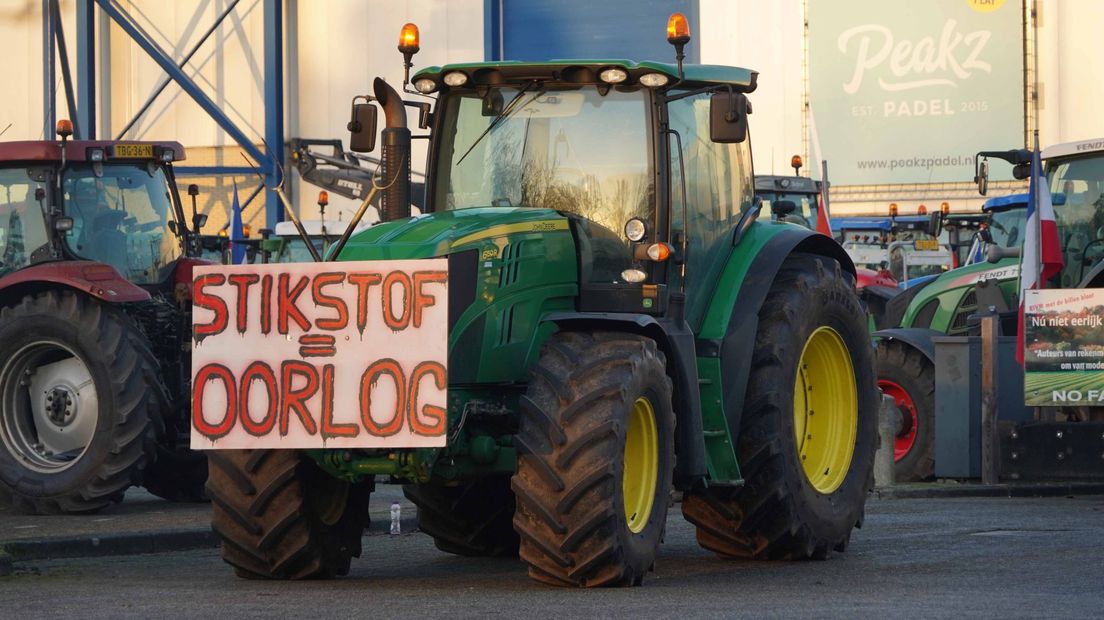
<point x="809" y="427"/>
<point x="76" y="406"/>
<point x="907" y="376"/>
<point x="281" y="517"/>
<point x="595" y="460"/>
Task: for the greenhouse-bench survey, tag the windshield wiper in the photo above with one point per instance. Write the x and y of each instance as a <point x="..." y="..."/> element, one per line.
<point x="506" y="113"/>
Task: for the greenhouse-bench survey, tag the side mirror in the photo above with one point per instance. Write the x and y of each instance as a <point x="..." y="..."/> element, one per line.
<point x="935" y="223"/>
<point x="782" y="208"/>
<point x="198" y="220"/>
<point x="995" y="253"/>
<point x="982" y="177"/>
<point x="362" y="128"/>
<point x="728" y="114"/>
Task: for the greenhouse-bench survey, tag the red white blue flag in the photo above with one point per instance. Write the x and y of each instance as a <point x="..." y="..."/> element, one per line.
<point x="1041" y="257"/>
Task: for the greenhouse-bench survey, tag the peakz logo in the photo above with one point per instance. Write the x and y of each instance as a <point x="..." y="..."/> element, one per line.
<point x="904" y="65"/>
<point x="915" y="65"/>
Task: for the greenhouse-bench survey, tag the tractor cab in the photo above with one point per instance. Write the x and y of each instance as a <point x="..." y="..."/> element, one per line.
<point x="1075" y="176"/>
<point x="109" y="203"/>
<point x="1001" y="225"/>
<point x="793" y="199"/>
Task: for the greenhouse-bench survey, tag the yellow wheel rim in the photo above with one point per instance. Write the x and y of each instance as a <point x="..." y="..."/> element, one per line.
<point x="641" y="465"/>
<point x="826" y="410"/>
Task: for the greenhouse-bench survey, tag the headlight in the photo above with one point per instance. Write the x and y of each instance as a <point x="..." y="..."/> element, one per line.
<point x="636" y="229"/>
<point x="456" y="78"/>
<point x="425" y="85"/>
<point x="613" y="75"/>
<point x="653" y="80"/>
<point x="633" y="275"/>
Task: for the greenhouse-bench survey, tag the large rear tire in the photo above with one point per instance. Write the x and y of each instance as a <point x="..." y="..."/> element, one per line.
<point x="809" y="426"/>
<point x="281" y="517"/>
<point x="75" y="404"/>
<point x="595" y="460"/>
<point x="906" y="374"/>
<point x="470" y="518"/>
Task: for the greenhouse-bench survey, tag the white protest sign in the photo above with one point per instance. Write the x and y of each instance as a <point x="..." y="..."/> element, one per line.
<point x="320" y="355"/>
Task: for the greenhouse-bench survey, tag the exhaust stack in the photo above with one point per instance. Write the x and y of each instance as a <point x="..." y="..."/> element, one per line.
<point x="395" y="154"/>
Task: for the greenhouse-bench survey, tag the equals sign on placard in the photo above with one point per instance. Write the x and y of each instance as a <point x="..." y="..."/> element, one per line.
<point x="317" y="345"/>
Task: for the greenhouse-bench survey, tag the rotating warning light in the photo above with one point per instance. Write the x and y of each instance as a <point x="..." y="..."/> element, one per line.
<point x="893" y="209"/>
<point x="945" y="208"/>
<point x="678" y="29"/>
<point x="64" y="128"/>
<point x="409" y="39"/>
<point x="796" y="162"/>
<point x="921" y="210"/>
<point x="323" y="198"/>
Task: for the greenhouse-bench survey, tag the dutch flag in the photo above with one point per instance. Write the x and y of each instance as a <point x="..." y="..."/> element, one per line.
<point x="1041" y="257"/>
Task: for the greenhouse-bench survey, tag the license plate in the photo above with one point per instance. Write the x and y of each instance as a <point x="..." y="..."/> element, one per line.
<point x="927" y="244"/>
<point x="133" y="151"/>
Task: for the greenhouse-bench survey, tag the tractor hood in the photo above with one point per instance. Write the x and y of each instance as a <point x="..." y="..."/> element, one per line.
<point x="439" y="234"/>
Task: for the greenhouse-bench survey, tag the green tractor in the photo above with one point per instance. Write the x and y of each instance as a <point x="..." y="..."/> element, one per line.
<point x="621" y="325"/>
<point x="941" y="306"/>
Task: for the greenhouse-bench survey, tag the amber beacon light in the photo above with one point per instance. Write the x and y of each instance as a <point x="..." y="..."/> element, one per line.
<point x="678" y="34"/>
<point x="409" y="44"/>
<point x="678" y="29"/>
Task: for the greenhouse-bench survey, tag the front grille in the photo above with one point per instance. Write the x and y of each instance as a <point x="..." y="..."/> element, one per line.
<point x="461" y="291"/>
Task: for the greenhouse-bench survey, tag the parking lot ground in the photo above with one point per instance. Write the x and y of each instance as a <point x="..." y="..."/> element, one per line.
<point x="931" y="557"/>
<point x="142" y="523"/>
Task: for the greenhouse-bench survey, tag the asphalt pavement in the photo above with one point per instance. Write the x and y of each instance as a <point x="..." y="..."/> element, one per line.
<point x="930" y="557"/>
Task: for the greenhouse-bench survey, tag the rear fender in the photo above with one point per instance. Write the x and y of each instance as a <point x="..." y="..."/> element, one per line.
<point x="99" y="280"/>
<point x="732" y="319"/>
<point x="677" y="343"/>
<point x="916" y="337"/>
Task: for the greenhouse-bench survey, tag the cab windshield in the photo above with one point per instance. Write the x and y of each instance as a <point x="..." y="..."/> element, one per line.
<point x="575" y="151"/>
<point x="120" y="217"/>
<point x="1077" y="192"/>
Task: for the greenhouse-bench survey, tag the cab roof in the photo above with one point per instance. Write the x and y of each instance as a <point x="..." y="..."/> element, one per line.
<point x="77" y="150"/>
<point x="1003" y="203"/>
<point x="791" y="184"/>
<point x="1081" y="147"/>
<point x="586" y="72"/>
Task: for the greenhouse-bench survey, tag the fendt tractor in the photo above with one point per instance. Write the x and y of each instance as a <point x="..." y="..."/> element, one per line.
<point x="620" y="325"/>
<point x="906" y="351"/>
<point x="943" y="307"/>
<point x="94" y="324"/>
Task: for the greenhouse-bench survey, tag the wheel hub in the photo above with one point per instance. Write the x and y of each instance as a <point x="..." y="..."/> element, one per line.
<point x="60" y="405"/>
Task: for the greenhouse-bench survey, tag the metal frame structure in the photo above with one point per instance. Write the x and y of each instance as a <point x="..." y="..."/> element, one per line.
<point x="81" y="100"/>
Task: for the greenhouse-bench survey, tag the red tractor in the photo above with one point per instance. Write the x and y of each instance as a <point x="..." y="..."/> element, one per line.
<point x="94" y="324"/>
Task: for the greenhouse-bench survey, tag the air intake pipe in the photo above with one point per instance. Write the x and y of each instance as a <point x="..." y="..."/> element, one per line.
<point x="395" y="154"/>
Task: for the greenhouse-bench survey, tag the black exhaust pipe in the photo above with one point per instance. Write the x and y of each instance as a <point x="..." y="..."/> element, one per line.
<point x="395" y="154"/>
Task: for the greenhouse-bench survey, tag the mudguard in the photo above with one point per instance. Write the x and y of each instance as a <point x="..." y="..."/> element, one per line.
<point x="736" y="347"/>
<point x="101" y="281"/>
<point x="676" y="340"/>
<point x="918" y="338"/>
